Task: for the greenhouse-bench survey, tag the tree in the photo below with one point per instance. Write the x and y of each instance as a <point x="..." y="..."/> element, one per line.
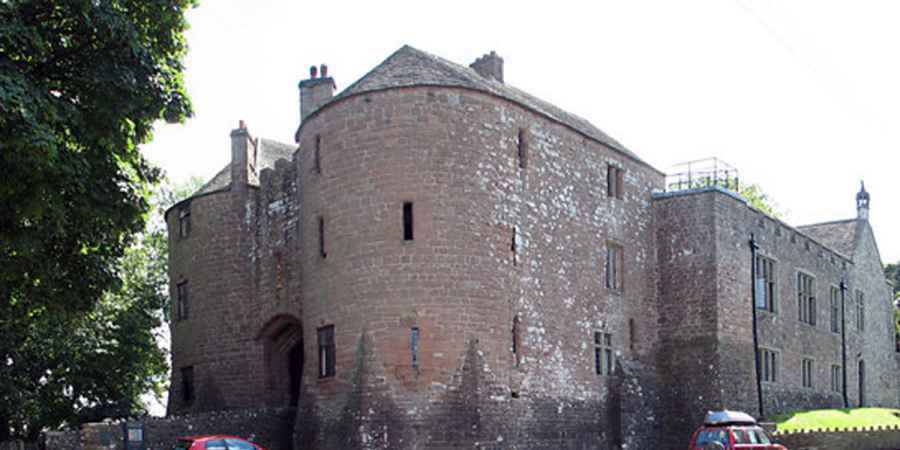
<point x="760" y="200"/>
<point x="81" y="84"/>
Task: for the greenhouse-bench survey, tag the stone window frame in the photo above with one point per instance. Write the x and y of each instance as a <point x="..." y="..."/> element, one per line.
<point x="837" y="378"/>
<point x="615" y="181"/>
<point x="614" y="267"/>
<point x="317" y="155"/>
<point x="807" y="310"/>
<point x="184" y="222"/>
<point x="522" y="148"/>
<point x="604" y="355"/>
<point x="860" y="304"/>
<point x="835" y="308"/>
<point x="327" y="350"/>
<point x="182" y="300"/>
<point x="769" y="283"/>
<point x="807" y="372"/>
<point x="770" y="364"/>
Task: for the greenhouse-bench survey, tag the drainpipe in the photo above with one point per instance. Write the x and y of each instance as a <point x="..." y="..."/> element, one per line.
<point x="844" y="346"/>
<point x="759" y="396"/>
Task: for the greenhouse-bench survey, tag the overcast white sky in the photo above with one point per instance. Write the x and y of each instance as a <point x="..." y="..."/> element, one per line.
<point x="803" y="97"/>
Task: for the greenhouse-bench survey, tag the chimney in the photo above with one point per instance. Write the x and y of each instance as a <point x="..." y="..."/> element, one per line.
<point x="243" y="158"/>
<point x="315" y="91"/>
<point x="489" y="66"/>
<point x="862" y="202"/>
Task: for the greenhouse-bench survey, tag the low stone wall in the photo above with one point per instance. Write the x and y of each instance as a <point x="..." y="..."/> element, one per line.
<point x="270" y="428"/>
<point x="878" y="438"/>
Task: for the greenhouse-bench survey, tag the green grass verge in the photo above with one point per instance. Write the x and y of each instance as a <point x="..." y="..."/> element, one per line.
<point x="838" y="418"/>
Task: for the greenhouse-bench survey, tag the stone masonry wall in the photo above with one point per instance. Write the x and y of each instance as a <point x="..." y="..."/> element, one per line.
<point x="875" y="345"/>
<point x="706" y="320"/>
<point x="453" y="153"/>
<point x="688" y="315"/>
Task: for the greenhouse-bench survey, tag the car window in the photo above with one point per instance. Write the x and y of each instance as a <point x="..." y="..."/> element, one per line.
<point x="216" y="445"/>
<point x="750" y="435"/>
<point x="183" y="445"/>
<point x="760" y="435"/>
<point x="707" y="436"/>
<point x="238" y="444"/>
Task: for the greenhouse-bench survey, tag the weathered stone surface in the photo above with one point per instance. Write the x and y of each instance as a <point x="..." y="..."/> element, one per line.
<point x="497" y="241"/>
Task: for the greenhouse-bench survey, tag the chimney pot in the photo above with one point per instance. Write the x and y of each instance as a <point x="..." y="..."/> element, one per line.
<point x="324" y="69"/>
<point x="313" y="71"/>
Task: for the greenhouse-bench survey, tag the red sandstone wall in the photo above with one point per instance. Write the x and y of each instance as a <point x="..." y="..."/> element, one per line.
<point x="453" y="153"/>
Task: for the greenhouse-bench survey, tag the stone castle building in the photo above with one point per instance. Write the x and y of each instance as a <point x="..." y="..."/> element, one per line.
<point x="445" y="261"/>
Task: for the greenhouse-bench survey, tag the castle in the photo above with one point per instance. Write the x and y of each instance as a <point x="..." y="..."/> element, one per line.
<point x="445" y="261"/>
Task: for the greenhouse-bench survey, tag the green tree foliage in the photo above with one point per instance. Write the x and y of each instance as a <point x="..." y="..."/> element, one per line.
<point x="81" y="84"/>
<point x="760" y="200"/>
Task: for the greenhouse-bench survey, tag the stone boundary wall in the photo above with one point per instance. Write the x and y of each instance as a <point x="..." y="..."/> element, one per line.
<point x="271" y="428"/>
<point x="864" y="438"/>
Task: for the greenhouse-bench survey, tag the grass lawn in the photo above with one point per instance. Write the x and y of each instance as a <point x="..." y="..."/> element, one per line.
<point x="838" y="418"/>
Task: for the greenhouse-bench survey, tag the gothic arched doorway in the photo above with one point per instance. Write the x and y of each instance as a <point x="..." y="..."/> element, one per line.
<point x="282" y="339"/>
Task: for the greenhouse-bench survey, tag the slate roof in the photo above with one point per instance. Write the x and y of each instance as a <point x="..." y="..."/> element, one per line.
<point x="839" y="235"/>
<point x="269" y="151"/>
<point x="412" y="67"/>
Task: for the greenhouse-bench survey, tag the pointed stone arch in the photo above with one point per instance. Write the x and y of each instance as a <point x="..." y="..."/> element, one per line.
<point x="282" y="342"/>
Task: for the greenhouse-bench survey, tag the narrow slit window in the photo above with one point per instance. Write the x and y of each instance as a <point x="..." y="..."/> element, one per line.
<point x="523" y="148"/>
<point x="322" y="251"/>
<point x="516" y="339"/>
<point x="615" y="274"/>
<point x="182" y="305"/>
<point x="326" y="351"/>
<point x="632" y="334"/>
<point x="184" y="222"/>
<point x="414" y="346"/>
<point x="407" y="221"/>
<point x="513" y="247"/>
<point x="835" y="309"/>
<point x="317" y="155"/>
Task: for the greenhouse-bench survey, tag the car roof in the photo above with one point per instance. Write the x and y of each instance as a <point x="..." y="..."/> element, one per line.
<point x="208" y="437"/>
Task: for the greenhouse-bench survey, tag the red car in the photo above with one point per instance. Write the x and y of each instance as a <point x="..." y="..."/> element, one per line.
<point x="215" y="442"/>
<point x="731" y="430"/>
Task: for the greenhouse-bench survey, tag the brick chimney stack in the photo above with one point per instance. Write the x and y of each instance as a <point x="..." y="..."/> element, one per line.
<point x="243" y="158"/>
<point x="315" y="91"/>
<point x="489" y="66"/>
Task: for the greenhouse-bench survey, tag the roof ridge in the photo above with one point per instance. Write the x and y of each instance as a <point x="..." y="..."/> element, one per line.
<point x="411" y="67"/>
<point x="830" y="222"/>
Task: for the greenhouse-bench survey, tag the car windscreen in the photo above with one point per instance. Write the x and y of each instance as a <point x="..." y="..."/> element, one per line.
<point x="714" y="435"/>
<point x="182" y="445"/>
<point x="216" y="445"/>
<point x="750" y="435"/>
